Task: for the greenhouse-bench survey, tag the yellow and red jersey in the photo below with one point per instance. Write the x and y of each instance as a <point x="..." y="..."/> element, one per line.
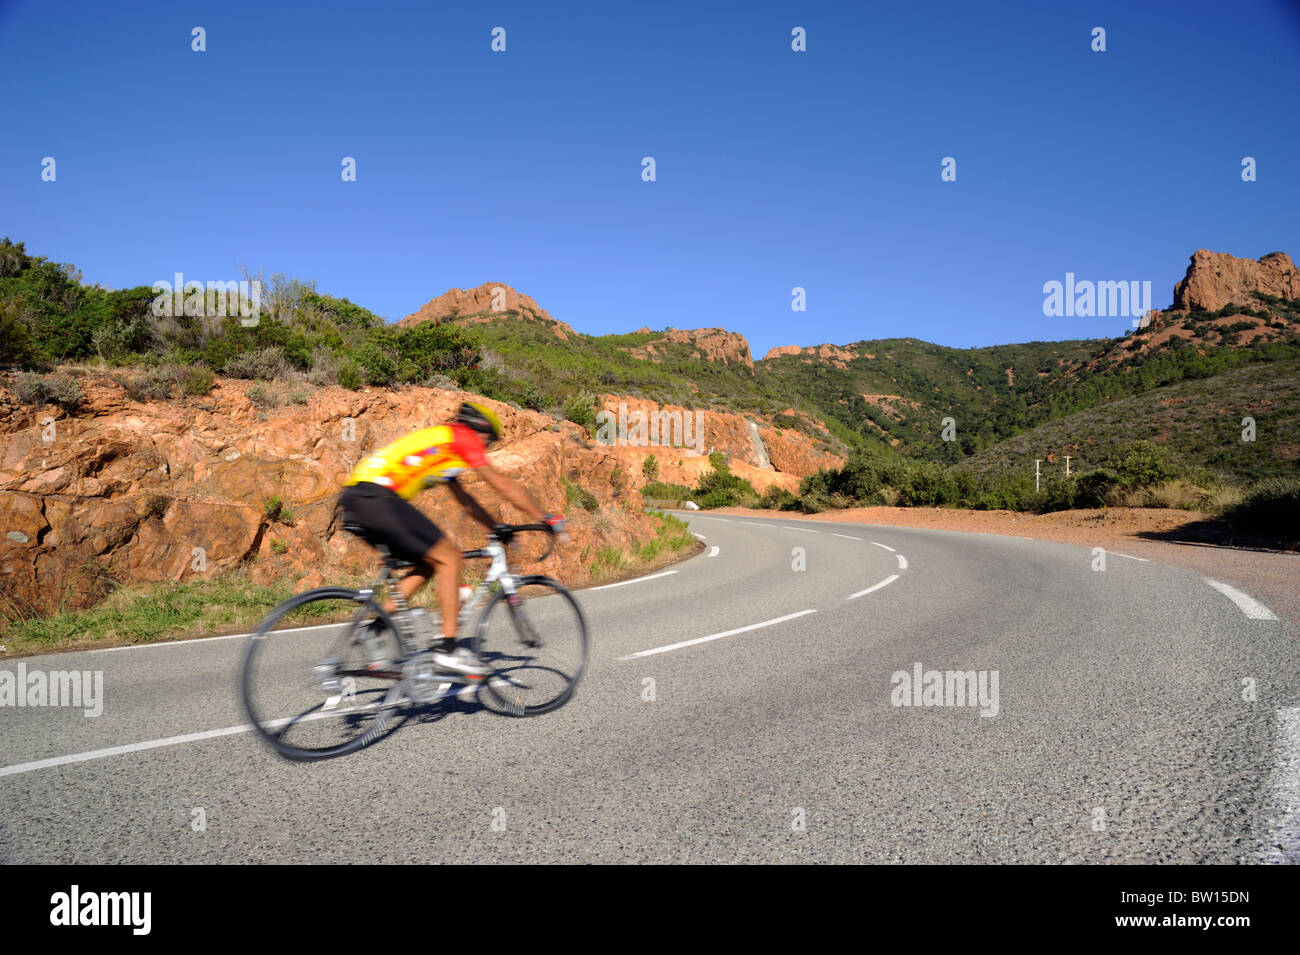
<point x="430" y="456"/>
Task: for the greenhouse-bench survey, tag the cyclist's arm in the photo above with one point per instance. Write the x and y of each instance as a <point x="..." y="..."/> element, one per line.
<point x="512" y="491"/>
<point x="471" y="504"/>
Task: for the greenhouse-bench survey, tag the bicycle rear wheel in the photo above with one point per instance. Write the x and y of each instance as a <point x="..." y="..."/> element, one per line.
<point x="535" y="641"/>
<point x="312" y="687"/>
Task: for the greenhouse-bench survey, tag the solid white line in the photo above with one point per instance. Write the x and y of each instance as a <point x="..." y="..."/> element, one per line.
<point x="121" y="750"/>
<point x="716" y="636"/>
<point x="182" y="643"/>
<point x="884" y="583"/>
<point x="1129" y="556"/>
<point x="886" y="546"/>
<point x="713" y="551"/>
<point x="634" y="580"/>
<point x="1284" y="807"/>
<point x="1251" y="607"/>
<point x="902" y="562"/>
<point x="845" y="536"/>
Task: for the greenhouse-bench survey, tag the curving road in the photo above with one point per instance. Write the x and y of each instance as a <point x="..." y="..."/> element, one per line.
<point x="742" y="706"/>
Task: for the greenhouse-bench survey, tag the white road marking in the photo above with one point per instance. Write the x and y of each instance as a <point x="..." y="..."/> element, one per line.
<point x="1284" y="805"/>
<point x="182" y="643"/>
<point x="902" y="562"/>
<point x="122" y="750"/>
<point x="806" y="530"/>
<point x="1251" y="607"/>
<point x="634" y="580"/>
<point x="713" y="551"/>
<point x="1129" y="556"/>
<point x="886" y="546"/>
<point x="716" y="636"/>
<point x="884" y="583"/>
<point x="845" y="536"/>
<point x="700" y="536"/>
<point x="754" y="523"/>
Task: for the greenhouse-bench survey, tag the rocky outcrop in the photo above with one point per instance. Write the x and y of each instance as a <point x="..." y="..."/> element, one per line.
<point x="831" y="354"/>
<point x="789" y="455"/>
<point x="122" y="492"/>
<point x="489" y="302"/>
<point x="709" y="344"/>
<point x="1215" y="280"/>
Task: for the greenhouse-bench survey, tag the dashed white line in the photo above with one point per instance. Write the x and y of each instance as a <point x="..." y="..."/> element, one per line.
<point x="1251" y="607"/>
<point x="845" y="536"/>
<point x="1116" y="553"/>
<point x="716" y="636"/>
<point x="635" y="580"/>
<point x="874" y="587"/>
<point x="902" y="562"/>
<point x="886" y="546"/>
<point x="713" y="551"/>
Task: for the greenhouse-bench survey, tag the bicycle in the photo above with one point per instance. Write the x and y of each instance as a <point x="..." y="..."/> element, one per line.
<point x="305" y="685"/>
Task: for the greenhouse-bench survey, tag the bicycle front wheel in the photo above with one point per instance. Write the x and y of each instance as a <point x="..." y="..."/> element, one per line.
<point x="321" y="674"/>
<point x="535" y="641"/>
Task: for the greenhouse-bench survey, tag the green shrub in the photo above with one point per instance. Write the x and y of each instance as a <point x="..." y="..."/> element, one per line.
<point x="665" y="492"/>
<point x="1142" y="464"/>
<point x="1270" y="507"/>
<point x="378" y="367"/>
<point x="155" y="384"/>
<point x="350" y="375"/>
<point x="265" y="364"/>
<point x="581" y="409"/>
<point x="650" y="468"/>
<point x="61" y="390"/>
<point x="1095" y="488"/>
<point x="196" y="379"/>
<point x="579" y="496"/>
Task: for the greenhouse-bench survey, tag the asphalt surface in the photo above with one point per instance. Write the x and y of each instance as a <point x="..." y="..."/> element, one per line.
<point x="1140" y="716"/>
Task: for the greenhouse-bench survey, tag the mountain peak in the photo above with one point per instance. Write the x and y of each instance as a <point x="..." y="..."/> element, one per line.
<point x="488" y="302"/>
<point x="1215" y="280"/>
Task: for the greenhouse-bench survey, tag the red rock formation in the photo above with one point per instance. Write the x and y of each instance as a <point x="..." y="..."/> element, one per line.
<point x="1215" y="280"/>
<point x="126" y="492"/>
<point x="475" y="306"/>
<point x="832" y="354"/>
<point x="710" y="344"/>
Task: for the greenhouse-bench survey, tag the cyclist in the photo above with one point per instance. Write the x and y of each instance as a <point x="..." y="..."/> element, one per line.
<point x="378" y="495"/>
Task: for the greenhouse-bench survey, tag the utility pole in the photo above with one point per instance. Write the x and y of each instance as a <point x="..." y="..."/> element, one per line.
<point x="1067" y="465"/>
<point x="1037" y="461"/>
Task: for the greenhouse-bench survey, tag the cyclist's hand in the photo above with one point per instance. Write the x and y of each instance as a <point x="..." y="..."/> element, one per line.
<point x="559" y="527"/>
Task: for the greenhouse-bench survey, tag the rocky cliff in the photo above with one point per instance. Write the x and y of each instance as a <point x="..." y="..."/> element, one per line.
<point x="1215" y="280"/>
<point x="484" y="304"/>
<point x="708" y="344"/>
<point x="125" y="492"/>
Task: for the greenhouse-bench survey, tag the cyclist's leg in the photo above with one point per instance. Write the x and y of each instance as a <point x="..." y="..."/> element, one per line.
<point x="444" y="561"/>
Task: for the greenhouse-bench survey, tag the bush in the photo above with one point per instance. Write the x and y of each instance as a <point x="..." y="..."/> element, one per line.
<point x="196" y="379"/>
<point x="1095" y="488"/>
<point x="650" y="468"/>
<point x="778" y="498"/>
<point x="153" y="385"/>
<point x="1142" y="464"/>
<point x="721" y="488"/>
<point x="581" y="409"/>
<point x="378" y="367"/>
<point x="350" y="375"/>
<point x="265" y="364"/>
<point x="579" y="496"/>
<point x="1270" y="507"/>
<point x="61" y="390"/>
<point x="665" y="492"/>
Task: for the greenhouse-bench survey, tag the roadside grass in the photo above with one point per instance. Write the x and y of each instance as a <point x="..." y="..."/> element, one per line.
<point x="225" y="604"/>
<point x="231" y="603"/>
<point x="672" y="539"/>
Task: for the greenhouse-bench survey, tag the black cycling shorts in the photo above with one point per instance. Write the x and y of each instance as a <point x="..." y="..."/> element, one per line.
<point x="389" y="519"/>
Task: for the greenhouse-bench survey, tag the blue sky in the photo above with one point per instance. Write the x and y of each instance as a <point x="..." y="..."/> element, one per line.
<point x="775" y="169"/>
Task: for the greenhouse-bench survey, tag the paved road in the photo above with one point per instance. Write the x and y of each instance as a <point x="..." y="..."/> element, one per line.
<point x="1120" y="727"/>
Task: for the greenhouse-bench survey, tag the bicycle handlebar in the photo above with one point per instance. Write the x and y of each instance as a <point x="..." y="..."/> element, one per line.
<point x="505" y="535"/>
